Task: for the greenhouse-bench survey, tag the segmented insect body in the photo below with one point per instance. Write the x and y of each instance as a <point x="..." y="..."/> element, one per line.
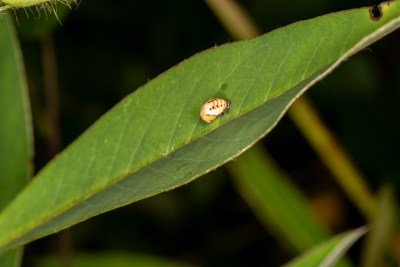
<point x="213" y="108"/>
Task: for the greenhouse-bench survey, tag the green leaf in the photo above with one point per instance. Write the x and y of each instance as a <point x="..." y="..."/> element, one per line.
<point x="15" y="131"/>
<point x="154" y="139"/>
<point x="110" y="258"/>
<point x="329" y="252"/>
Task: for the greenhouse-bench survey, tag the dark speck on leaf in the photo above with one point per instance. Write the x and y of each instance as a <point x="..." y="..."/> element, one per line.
<point x="375" y="12"/>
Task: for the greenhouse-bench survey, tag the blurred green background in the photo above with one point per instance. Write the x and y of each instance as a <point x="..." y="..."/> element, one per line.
<point x="104" y="50"/>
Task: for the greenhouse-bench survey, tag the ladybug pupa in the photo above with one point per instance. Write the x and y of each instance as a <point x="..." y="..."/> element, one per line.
<point x="213" y="108"/>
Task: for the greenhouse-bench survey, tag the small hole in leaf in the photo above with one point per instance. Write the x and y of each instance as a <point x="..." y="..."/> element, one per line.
<point x="375" y="12"/>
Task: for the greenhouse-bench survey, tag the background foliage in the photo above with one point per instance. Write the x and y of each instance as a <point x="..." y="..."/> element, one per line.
<point x="120" y="45"/>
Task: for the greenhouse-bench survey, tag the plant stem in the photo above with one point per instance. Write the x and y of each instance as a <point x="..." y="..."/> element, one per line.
<point x="234" y="18"/>
<point x="333" y="155"/>
<point x="51" y="93"/>
<point x="53" y="131"/>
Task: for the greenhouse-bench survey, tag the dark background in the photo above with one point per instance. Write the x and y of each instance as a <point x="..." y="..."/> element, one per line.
<point x="106" y="49"/>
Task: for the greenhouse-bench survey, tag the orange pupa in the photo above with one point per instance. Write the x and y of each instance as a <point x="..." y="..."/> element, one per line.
<point x="213" y="108"/>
